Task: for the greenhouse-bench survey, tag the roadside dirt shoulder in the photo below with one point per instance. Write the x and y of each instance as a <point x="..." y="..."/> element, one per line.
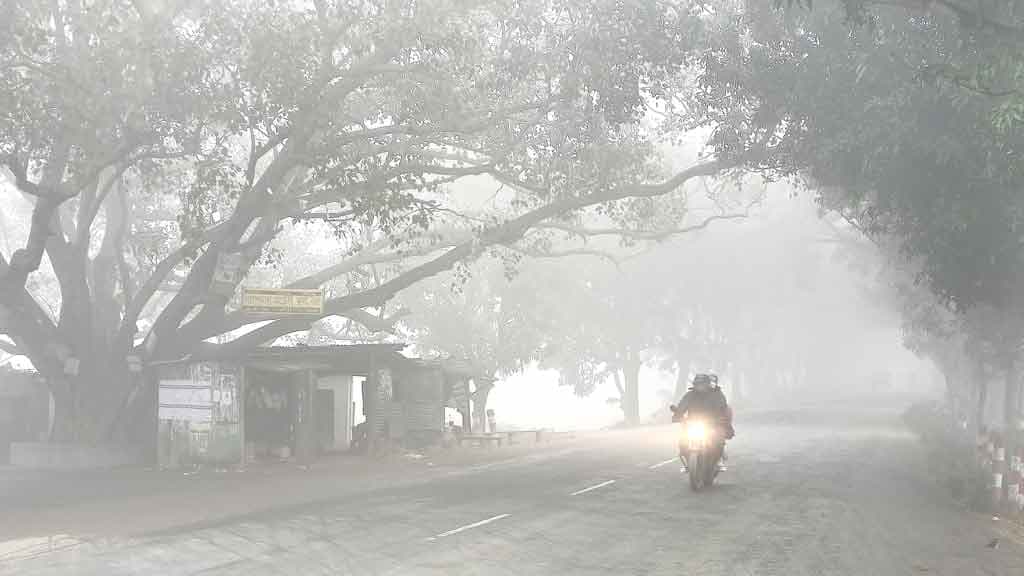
<point x="135" y="501"/>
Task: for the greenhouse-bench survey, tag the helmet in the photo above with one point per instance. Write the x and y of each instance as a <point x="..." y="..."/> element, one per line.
<point x="701" y="380"/>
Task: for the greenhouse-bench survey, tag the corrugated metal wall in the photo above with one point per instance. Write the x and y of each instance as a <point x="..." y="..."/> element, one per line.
<point x="425" y="401"/>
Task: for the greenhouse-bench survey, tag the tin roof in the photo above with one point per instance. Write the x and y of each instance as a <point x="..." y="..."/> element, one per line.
<point x="357" y="359"/>
<point x="454" y="366"/>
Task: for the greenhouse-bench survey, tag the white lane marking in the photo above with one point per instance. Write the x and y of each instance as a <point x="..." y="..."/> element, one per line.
<point x="660" y="464"/>
<point x="468" y="526"/>
<point x="594" y="487"/>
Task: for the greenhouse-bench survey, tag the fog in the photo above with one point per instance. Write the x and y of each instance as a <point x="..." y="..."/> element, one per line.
<point x="813" y="289"/>
<point x="511" y="287"/>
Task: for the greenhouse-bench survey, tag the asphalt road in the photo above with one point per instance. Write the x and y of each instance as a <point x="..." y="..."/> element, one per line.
<point x="797" y="500"/>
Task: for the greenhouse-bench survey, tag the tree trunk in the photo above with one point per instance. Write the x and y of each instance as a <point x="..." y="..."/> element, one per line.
<point x="982" y="400"/>
<point x="63" y="429"/>
<point x="124" y="415"/>
<point x="617" y="375"/>
<point x="91" y="406"/>
<point x="631" y="398"/>
<point x="480" y="406"/>
<point x="950" y="392"/>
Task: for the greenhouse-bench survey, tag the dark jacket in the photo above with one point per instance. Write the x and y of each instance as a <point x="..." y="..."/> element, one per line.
<point x="711" y="402"/>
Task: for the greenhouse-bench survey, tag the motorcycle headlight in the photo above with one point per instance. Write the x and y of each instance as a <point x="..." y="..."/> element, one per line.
<point x="695" y="430"/>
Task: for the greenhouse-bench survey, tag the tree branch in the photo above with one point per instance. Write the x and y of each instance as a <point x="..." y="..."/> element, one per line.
<point x="969" y="16"/>
<point x="501" y="234"/>
<point x="91" y="209"/>
<point x="972" y="17"/>
<point x="21" y="180"/>
<point x="102" y="275"/>
<point x="254" y="203"/>
<point x="9" y="348"/>
<point x="618" y="382"/>
<point x="259" y="237"/>
<point x="377" y="326"/>
<point x="26" y="260"/>
<point x="484" y="121"/>
<point x="258" y="152"/>
<point x="213" y="305"/>
<point x="138" y="302"/>
<point x="376" y="323"/>
<point x="564" y="253"/>
<point x="31" y="329"/>
<point x="370" y="255"/>
<point x="641" y="234"/>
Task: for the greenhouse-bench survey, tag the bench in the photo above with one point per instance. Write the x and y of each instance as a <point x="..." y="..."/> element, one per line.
<point x="539" y="435"/>
<point x="482" y="439"/>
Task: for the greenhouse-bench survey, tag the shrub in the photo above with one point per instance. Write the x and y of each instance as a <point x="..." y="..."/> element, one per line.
<point x="951" y="454"/>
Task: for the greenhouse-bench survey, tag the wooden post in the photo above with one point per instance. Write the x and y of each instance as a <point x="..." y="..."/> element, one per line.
<point x="306" y="426"/>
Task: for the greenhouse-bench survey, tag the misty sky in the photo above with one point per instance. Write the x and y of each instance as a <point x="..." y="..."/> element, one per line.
<point x="866" y="333"/>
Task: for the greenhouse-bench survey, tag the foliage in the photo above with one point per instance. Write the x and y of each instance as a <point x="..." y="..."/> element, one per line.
<point x="484" y="319"/>
<point x="950" y="457"/>
<point x="907" y="124"/>
<point x="900" y="153"/>
<point x="751" y="301"/>
<point x="158" y="141"/>
<point x="907" y="117"/>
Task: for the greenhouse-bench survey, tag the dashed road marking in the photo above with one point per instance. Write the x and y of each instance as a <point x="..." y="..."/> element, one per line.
<point x="594" y="487"/>
<point x="468" y="526"/>
<point x="660" y="464"/>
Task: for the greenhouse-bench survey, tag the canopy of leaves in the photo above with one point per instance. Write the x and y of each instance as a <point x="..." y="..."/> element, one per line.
<point x="859" y="108"/>
<point x="159" y="141"/>
<point x="231" y="115"/>
<point x="764" y="299"/>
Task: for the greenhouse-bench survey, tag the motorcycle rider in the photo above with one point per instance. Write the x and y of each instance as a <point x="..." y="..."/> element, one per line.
<point x="706" y="398"/>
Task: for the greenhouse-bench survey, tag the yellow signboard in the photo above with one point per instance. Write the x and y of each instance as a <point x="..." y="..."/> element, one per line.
<point x="283" y="301"/>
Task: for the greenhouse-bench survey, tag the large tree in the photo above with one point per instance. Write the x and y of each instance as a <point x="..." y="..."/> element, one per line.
<point x="907" y="123"/>
<point x="164" y="144"/>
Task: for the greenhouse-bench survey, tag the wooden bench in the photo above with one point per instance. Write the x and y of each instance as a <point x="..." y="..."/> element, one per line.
<point x="482" y="439"/>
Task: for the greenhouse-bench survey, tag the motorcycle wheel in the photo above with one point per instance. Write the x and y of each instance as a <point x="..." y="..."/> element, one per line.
<point x="697" y="468"/>
<point x="711" y="471"/>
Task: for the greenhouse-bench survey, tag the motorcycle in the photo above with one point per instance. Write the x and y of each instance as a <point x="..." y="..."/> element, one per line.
<point x="700" y="448"/>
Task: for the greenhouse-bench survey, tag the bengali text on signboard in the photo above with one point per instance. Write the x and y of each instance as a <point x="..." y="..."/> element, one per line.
<point x="282" y="301"/>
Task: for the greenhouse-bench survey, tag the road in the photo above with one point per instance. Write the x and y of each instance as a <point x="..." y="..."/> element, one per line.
<point x="797" y="500"/>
